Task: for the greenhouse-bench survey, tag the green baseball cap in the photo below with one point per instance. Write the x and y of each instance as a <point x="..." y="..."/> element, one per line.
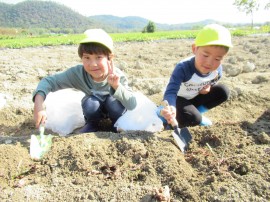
<point x="214" y="34"/>
<point x="98" y="36"/>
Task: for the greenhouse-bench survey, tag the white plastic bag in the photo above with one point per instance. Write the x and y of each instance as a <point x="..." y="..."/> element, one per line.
<point x="64" y="111"/>
<point x="143" y="117"/>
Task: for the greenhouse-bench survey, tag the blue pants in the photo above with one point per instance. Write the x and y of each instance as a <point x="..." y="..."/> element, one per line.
<point x="94" y="109"/>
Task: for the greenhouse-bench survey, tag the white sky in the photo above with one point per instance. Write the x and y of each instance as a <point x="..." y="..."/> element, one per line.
<point x="165" y="11"/>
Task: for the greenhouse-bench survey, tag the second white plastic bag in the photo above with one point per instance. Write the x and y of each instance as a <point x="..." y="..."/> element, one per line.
<point x="143" y="117"/>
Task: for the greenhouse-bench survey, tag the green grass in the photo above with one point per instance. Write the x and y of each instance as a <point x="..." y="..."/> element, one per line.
<point x="73" y="39"/>
<point x="138" y="36"/>
<point x="27" y="41"/>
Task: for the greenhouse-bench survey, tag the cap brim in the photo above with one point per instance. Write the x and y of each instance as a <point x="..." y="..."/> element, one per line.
<point x="96" y="41"/>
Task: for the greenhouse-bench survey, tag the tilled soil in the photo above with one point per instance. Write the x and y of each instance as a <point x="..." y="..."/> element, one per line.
<point x="229" y="161"/>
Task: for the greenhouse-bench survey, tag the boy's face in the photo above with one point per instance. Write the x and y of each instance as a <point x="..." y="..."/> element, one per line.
<point x="208" y="58"/>
<point x="96" y="65"/>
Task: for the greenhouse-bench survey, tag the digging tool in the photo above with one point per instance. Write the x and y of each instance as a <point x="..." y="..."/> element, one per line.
<point x="181" y="136"/>
<point x="41" y="144"/>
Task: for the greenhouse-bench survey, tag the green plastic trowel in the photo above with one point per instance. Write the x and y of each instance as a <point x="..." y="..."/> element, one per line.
<point x="40" y="144"/>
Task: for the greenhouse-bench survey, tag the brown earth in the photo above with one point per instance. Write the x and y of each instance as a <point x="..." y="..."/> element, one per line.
<point x="229" y="161"/>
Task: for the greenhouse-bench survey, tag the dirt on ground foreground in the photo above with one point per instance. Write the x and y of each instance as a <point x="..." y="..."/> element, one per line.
<point x="229" y="161"/>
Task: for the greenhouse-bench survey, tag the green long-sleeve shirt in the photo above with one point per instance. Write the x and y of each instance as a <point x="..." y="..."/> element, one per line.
<point x="77" y="78"/>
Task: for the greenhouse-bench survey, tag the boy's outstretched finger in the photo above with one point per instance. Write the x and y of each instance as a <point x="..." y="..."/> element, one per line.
<point x="110" y="67"/>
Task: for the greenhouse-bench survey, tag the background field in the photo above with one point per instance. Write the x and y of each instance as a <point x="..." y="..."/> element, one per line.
<point x="11" y="39"/>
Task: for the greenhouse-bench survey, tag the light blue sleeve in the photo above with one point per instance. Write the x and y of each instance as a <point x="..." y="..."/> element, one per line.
<point x="158" y="110"/>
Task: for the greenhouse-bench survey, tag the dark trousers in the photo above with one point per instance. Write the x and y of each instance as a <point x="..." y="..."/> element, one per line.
<point x="187" y="113"/>
<point x="94" y="109"/>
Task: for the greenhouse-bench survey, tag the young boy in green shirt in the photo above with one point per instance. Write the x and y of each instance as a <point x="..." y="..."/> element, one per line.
<point x="107" y="93"/>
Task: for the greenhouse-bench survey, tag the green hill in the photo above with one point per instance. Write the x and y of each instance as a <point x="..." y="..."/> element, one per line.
<point x="51" y="17"/>
<point x="120" y="24"/>
<point x="42" y="14"/>
<point x="55" y="17"/>
<point x="133" y="23"/>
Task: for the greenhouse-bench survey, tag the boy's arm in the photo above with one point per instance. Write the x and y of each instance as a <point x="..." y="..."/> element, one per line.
<point x="126" y="97"/>
<point x="168" y="113"/>
<point x="173" y="86"/>
<point x="124" y="93"/>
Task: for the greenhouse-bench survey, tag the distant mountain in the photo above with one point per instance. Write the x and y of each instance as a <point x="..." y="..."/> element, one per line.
<point x="120" y="24"/>
<point x="186" y="26"/>
<point x="42" y="14"/>
<point x="54" y="17"/>
<point x="134" y="23"/>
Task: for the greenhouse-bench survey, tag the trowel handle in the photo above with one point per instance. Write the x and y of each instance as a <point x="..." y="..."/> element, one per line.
<point x="41" y="130"/>
<point x="174" y="122"/>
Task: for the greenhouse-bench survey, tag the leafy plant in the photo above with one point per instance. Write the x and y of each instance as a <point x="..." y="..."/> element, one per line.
<point x="149" y="28"/>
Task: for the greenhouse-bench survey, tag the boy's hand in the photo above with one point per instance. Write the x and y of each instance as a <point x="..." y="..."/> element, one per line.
<point x="113" y="79"/>
<point x="40" y="115"/>
<point x="205" y="89"/>
<point x="169" y="113"/>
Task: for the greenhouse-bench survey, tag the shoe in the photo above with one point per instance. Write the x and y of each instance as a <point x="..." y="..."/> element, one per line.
<point x="114" y="129"/>
<point x="202" y="109"/>
<point x="205" y="121"/>
<point x="89" y="127"/>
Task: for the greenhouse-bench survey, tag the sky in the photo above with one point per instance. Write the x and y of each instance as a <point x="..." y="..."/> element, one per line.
<point x="165" y="11"/>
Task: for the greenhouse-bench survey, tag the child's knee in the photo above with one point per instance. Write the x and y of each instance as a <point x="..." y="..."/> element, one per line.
<point x="189" y="119"/>
<point x="91" y="109"/>
<point x="224" y="92"/>
<point x="115" y="110"/>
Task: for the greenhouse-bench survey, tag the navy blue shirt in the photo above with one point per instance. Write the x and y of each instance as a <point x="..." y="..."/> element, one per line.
<point x="186" y="81"/>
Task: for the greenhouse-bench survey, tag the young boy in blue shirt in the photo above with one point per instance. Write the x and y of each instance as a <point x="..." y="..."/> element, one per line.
<point x="107" y="93"/>
<point x="193" y="88"/>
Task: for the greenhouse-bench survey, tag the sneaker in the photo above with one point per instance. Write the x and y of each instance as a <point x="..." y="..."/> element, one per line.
<point x="89" y="127"/>
<point x="114" y="129"/>
<point x="205" y="121"/>
<point x="202" y="109"/>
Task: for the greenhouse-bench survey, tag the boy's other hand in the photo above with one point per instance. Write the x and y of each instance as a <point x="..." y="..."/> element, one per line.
<point x="205" y="89"/>
<point x="113" y="79"/>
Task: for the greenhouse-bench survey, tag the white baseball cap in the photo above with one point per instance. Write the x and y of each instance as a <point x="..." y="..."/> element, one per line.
<point x="98" y="36"/>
